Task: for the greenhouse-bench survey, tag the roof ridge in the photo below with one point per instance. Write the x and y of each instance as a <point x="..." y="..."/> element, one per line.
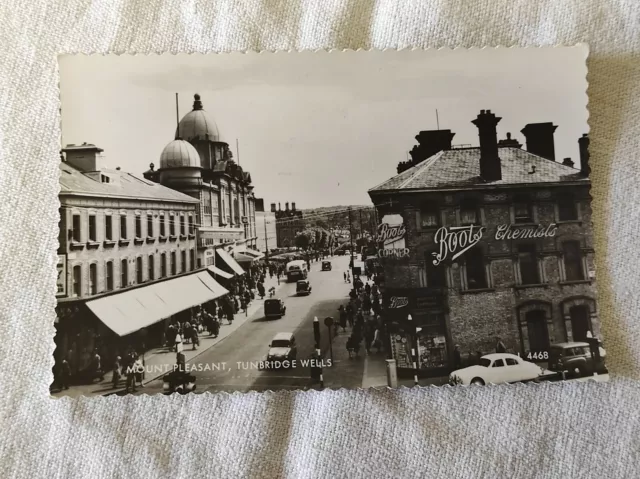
<point x="426" y="163"/>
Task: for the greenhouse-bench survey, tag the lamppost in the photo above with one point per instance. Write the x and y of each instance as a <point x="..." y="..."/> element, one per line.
<point x="414" y="347"/>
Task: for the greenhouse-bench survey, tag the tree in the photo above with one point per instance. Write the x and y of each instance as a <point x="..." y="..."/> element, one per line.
<point x="302" y="240"/>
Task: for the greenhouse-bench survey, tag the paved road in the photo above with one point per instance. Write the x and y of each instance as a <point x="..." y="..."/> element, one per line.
<point x="250" y="342"/>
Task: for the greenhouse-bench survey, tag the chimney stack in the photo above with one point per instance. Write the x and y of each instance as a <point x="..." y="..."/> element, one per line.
<point x="279" y="208"/>
<point x="286" y="206"/>
<point x="273" y="207"/>
<point x="490" y="167"/>
<point x="293" y="206"/>
<point x="583" y="144"/>
<point x="568" y="162"/>
<point x="539" y="137"/>
<point x="85" y="157"/>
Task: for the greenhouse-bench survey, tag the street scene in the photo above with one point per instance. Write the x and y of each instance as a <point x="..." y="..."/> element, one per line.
<point x="376" y="234"/>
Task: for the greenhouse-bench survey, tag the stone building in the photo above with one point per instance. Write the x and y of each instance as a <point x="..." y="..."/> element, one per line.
<point x="487" y="242"/>
<point x="200" y="164"/>
<point x="126" y="245"/>
<point x="289" y="222"/>
<point x="265" y="228"/>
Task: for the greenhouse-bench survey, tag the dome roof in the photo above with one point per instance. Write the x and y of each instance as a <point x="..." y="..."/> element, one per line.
<point x="179" y="153"/>
<point x="196" y="125"/>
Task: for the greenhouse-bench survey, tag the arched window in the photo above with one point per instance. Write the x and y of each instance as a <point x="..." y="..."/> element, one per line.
<point x="163" y="265"/>
<point x="124" y="273"/>
<point x="139" y="277"/>
<point x="151" y="267"/>
<point x="109" y="275"/>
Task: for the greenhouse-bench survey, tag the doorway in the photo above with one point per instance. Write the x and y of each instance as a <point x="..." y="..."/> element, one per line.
<point x="579" y="322"/>
<point x="538" y="332"/>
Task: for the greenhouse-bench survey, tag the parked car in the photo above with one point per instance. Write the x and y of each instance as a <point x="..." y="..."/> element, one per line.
<point x="576" y="359"/>
<point x="303" y="288"/>
<point x="282" y="348"/>
<point x="274" y="308"/>
<point x="326" y="266"/>
<point x="497" y="368"/>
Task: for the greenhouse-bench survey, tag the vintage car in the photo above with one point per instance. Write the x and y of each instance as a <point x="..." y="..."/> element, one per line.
<point x="326" y="266"/>
<point x="274" y="308"/>
<point x="303" y="288"/>
<point x="577" y="359"/>
<point x="282" y="350"/>
<point x="497" y="368"/>
<point x="178" y="381"/>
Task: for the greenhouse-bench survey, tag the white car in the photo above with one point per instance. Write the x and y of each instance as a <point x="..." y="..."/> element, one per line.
<point x="497" y="368"/>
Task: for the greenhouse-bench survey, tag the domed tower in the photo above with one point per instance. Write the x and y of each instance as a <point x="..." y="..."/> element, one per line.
<point x="180" y="166"/>
<point x="201" y="131"/>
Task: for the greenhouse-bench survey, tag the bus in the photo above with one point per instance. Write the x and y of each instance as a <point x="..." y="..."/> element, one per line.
<point x="296" y="270"/>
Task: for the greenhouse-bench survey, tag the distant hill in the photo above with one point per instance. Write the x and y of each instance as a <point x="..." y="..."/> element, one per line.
<point x="337" y="217"/>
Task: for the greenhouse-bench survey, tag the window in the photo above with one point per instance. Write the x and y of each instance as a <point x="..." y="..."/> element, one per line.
<point x="108" y="227"/>
<point x="173" y="263"/>
<point x="109" y="276"/>
<point x="429" y="216"/>
<point x="151" y="266"/>
<point x="172" y="225"/>
<point x="162" y="225"/>
<point x="528" y="261"/>
<point x="93" y="278"/>
<point x="498" y="363"/>
<point x="138" y="226"/>
<point x="75" y="229"/>
<point x="469" y="212"/>
<point x="206" y="207"/>
<point x="77" y="280"/>
<point x="192" y="259"/>
<point x="123" y="227"/>
<point x="567" y="208"/>
<point x="522" y="209"/>
<point x="139" y="278"/>
<point x="476" y="272"/>
<point x="150" y="226"/>
<point x="183" y="261"/>
<point x="572" y="261"/>
<point x="182" y="220"/>
<point x="511" y="362"/>
<point x="92" y="228"/>
<point x="191" y="224"/>
<point x="163" y="265"/>
<point x="124" y="273"/>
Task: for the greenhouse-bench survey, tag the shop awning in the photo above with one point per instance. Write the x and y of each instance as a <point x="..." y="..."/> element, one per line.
<point x="232" y="263"/>
<point x="219" y="272"/>
<point x="254" y="253"/>
<point x="130" y="311"/>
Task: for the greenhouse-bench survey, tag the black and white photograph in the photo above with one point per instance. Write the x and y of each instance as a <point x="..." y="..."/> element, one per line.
<point x="324" y="220"/>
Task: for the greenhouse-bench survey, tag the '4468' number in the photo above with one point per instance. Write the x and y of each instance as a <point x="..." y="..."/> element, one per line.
<point x="538" y="356"/>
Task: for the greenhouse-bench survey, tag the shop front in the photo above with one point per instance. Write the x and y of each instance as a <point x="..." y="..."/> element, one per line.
<point x="415" y="319"/>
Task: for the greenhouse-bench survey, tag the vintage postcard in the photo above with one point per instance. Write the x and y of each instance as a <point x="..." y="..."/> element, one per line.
<point x="295" y="221"/>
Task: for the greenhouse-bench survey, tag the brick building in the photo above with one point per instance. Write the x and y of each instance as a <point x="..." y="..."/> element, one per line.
<point x="125" y="246"/>
<point x="486" y="242"/>
<point x="200" y="164"/>
<point x="289" y="222"/>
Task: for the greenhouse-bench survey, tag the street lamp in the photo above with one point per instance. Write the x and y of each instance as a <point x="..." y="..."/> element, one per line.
<point x="414" y="347"/>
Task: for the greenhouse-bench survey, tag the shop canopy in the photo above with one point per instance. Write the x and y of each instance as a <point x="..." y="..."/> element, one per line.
<point x="219" y="272"/>
<point x="252" y="252"/>
<point x="130" y="311"/>
<point x="232" y="263"/>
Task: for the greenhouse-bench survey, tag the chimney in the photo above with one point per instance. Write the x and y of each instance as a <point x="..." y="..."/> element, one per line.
<point x="430" y="142"/>
<point x="512" y="142"/>
<point x="293" y="206"/>
<point x="85" y="157"/>
<point x="568" y="162"/>
<point x="539" y="137"/>
<point x="490" y="167"/>
<point x="273" y="207"/>
<point x="583" y="144"/>
<point x="286" y="206"/>
<point x="279" y="208"/>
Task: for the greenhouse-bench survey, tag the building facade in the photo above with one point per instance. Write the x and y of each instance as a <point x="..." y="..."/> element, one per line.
<point x="289" y="222"/>
<point x="199" y="164"/>
<point x="265" y="228"/>
<point x="119" y="235"/>
<point x="477" y="244"/>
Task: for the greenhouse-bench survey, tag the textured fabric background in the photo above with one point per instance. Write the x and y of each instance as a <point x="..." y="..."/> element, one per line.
<point x="572" y="430"/>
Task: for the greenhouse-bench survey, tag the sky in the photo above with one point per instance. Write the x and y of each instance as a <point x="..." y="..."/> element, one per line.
<point x="320" y="128"/>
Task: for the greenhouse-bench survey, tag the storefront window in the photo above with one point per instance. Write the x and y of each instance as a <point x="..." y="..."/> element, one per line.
<point x="432" y="347"/>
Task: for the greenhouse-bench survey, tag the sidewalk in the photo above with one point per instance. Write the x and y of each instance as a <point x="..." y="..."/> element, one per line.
<point x="159" y="361"/>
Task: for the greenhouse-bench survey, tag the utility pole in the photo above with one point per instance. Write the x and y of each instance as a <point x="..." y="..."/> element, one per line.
<point x="361" y="230"/>
<point x="266" y="242"/>
<point x="238" y="152"/>
<point x="351" y="241"/>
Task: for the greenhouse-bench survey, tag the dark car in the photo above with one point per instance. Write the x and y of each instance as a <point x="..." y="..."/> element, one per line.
<point x="274" y="308"/>
<point x="303" y="288"/>
<point x="326" y="266"/>
<point x="577" y="359"/>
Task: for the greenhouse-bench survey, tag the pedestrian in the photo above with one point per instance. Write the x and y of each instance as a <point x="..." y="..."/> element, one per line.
<point x="130" y="373"/>
<point x="349" y="311"/>
<point x="350" y="346"/>
<point x="345" y="276"/>
<point x="500" y="347"/>
<point x="377" y="340"/>
<point x="195" y="339"/>
<point x="171" y="336"/>
<point x="65" y="374"/>
<point x="367" y="289"/>
<point x="368" y="340"/>
<point x="117" y="374"/>
<point x="178" y="342"/>
<point x="138" y="369"/>
<point x="215" y="327"/>
<point x="96" y="367"/>
<point x="457" y="357"/>
<point x="343" y="318"/>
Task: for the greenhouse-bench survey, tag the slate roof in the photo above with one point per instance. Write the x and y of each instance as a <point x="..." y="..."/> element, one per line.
<point x="460" y="168"/>
<point x="123" y="184"/>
